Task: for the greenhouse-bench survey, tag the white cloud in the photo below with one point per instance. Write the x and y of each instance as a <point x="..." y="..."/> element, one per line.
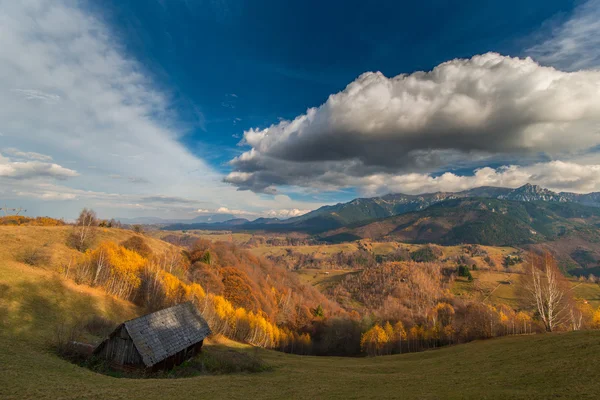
<point x="49" y="195"/>
<point x="33" y="169"/>
<point x="554" y="175"/>
<point x="225" y="210"/>
<point x="29" y="155"/>
<point x="460" y="113"/>
<point x="574" y="44"/>
<point x="286" y="213"/>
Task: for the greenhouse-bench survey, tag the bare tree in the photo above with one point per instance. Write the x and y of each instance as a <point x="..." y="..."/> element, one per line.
<point x="547" y="290"/>
<point x="84" y="230"/>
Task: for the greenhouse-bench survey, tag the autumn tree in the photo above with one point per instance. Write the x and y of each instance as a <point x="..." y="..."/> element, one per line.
<point x="547" y="290"/>
<point x="374" y="341"/>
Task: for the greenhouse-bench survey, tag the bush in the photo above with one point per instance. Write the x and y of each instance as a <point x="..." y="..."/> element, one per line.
<point x="489" y="261"/>
<point x="37" y="221"/>
<point x="463" y="270"/>
<point x="77" y="242"/>
<point x="425" y="254"/>
<point x="139" y="245"/>
<point x="34" y="256"/>
<point x="64" y="342"/>
<point x="511" y="260"/>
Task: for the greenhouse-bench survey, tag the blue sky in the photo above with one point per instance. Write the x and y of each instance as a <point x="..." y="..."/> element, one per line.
<point x="168" y="107"/>
<point x="245" y="64"/>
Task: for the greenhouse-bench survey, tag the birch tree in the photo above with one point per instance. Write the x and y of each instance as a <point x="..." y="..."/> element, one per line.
<point x="84" y="230"/>
<point x="547" y="290"/>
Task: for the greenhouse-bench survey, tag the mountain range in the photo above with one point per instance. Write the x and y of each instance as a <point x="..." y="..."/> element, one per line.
<point x="477" y="220"/>
<point x="363" y="210"/>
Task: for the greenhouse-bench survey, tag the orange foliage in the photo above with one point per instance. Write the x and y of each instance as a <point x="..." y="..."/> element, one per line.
<point x="27" y="221"/>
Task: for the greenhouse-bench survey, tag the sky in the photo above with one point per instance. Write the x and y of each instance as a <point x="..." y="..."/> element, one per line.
<point x="188" y="108"/>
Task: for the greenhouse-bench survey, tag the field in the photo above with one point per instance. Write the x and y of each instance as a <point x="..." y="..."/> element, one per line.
<point x="501" y="287"/>
<point x="238" y="238"/>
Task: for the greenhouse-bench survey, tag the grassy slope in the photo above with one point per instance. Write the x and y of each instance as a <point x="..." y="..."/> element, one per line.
<point x="494" y="287"/>
<point x="14" y="239"/>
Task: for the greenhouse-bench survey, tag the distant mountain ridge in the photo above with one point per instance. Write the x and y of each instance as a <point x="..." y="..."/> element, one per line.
<point x="362" y="210"/>
<point x="487" y="221"/>
<point x="209" y="218"/>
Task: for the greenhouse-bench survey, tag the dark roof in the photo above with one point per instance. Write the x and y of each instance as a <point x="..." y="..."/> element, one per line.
<point x="164" y="333"/>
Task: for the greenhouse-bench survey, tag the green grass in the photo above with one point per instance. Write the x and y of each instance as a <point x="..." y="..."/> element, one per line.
<point x="588" y="291"/>
<point x="531" y="367"/>
<point x="494" y="287"/>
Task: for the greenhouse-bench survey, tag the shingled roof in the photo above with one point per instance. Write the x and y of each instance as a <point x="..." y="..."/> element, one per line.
<point x="164" y="333"/>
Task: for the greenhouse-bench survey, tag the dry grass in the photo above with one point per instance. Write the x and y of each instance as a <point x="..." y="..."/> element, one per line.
<point x="237" y="238"/>
<point x="323" y="279"/>
<point x="16" y="240"/>
<point x="502" y="288"/>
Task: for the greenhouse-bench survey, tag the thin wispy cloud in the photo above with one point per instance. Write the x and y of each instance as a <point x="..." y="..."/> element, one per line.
<point x="574" y="44"/>
<point x="68" y="87"/>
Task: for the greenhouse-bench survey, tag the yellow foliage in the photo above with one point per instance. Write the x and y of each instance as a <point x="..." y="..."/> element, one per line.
<point x="596" y="319"/>
<point x="113" y="267"/>
<point x="374" y="340"/>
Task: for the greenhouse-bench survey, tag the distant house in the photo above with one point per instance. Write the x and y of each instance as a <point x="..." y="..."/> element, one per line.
<point x="156" y="341"/>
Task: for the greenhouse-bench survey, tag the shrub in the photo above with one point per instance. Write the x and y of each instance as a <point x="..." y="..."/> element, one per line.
<point x="34" y="256"/>
<point x="489" y="261"/>
<point x="425" y="254"/>
<point x="511" y="260"/>
<point x="139" y="245"/>
<point x="64" y="341"/>
<point x="463" y="270"/>
<point x="38" y="221"/>
<point x="318" y="311"/>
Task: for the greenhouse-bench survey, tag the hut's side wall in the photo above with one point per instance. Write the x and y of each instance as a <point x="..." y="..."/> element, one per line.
<point x="119" y="350"/>
<point x="178" y="358"/>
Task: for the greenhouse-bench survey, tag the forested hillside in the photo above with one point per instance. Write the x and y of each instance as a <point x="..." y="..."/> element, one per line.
<point x="482" y="221"/>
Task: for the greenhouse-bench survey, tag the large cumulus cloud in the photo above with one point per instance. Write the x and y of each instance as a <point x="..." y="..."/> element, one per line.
<point x="461" y="113"/>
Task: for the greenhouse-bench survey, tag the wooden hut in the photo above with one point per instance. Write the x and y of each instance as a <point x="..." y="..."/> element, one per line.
<point x="156" y="341"/>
